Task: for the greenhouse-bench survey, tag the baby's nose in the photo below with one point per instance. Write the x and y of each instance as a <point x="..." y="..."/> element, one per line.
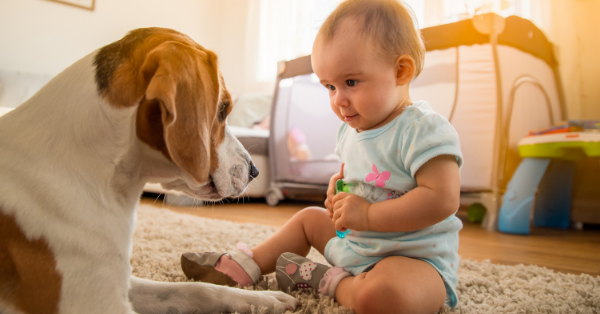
<point x="340" y="100"/>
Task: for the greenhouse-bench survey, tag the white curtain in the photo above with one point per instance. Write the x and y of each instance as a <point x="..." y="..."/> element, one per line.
<point x="287" y="28"/>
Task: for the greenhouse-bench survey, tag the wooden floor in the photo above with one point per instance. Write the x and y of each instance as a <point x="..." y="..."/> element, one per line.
<point x="569" y="251"/>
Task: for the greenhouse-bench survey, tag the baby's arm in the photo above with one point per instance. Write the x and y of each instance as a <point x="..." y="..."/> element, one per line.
<point x="434" y="199"/>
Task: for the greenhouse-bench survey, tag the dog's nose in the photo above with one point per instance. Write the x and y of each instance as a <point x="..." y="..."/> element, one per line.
<point x="253" y="172"/>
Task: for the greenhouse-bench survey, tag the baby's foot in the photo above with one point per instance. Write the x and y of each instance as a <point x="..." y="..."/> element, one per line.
<point x="228" y="269"/>
<point x="295" y="272"/>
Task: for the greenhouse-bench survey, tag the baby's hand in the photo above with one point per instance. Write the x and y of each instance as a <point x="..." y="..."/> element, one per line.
<point x="331" y="191"/>
<point x="350" y="211"/>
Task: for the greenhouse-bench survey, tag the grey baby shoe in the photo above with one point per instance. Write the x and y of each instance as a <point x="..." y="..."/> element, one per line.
<point x="295" y="272"/>
<point x="230" y="269"/>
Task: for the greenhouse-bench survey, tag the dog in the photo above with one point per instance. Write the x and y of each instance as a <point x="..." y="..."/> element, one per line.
<point x="74" y="158"/>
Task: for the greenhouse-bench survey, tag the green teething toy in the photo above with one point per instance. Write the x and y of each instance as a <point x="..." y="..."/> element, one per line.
<point x="340" y="186"/>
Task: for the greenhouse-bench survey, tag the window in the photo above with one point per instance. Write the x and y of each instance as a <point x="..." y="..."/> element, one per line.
<point x="436" y="12"/>
<point x="287" y="28"/>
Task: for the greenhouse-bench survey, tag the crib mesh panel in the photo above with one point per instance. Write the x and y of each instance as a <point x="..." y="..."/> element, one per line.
<point x="304" y="131"/>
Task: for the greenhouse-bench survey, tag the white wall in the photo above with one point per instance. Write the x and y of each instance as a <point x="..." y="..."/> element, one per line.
<point x="44" y="37"/>
<point x="238" y="46"/>
<point x="38" y="36"/>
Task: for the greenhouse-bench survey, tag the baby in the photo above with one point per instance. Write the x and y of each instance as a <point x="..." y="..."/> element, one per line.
<point x="401" y="165"/>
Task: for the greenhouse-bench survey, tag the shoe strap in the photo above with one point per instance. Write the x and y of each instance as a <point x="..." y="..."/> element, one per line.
<point x="204" y="259"/>
<point x="247" y="263"/>
<point x="331" y="279"/>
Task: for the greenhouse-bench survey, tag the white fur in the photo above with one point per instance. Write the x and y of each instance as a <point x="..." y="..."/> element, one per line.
<point x="72" y="171"/>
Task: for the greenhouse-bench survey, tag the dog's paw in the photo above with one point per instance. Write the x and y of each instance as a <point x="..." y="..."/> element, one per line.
<point x="285" y="301"/>
<point x="272" y="301"/>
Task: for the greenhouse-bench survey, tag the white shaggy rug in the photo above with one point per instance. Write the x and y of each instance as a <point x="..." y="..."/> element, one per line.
<point x="162" y="236"/>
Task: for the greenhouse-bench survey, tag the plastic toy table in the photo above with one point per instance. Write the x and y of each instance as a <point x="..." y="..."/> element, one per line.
<point x="552" y="158"/>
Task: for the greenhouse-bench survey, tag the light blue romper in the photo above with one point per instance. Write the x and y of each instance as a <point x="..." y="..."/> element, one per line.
<point x="380" y="164"/>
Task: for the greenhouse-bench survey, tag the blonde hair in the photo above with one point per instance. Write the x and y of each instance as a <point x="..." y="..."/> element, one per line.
<point x="388" y="23"/>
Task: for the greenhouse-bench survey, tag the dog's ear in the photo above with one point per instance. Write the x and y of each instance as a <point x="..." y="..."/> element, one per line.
<point x="179" y="78"/>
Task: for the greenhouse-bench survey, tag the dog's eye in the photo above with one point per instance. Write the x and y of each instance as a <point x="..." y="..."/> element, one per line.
<point x="223" y="110"/>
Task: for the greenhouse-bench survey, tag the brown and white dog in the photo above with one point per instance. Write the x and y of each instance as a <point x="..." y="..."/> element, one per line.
<point x="74" y="158"/>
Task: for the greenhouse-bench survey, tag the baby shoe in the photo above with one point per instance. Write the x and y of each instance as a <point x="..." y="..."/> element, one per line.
<point x="295" y="272"/>
<point x="228" y="269"/>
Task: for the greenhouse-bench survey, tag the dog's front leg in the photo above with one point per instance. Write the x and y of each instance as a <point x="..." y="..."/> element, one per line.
<point x="153" y="297"/>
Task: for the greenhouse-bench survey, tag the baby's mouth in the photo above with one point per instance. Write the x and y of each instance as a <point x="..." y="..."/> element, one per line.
<point x="350" y="118"/>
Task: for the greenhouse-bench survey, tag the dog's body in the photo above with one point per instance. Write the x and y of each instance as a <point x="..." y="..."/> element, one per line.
<point x="75" y="157"/>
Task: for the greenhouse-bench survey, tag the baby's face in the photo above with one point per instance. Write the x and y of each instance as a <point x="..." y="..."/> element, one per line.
<point x="362" y="86"/>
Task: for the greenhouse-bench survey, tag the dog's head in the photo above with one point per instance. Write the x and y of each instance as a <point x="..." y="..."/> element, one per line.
<point x="182" y="109"/>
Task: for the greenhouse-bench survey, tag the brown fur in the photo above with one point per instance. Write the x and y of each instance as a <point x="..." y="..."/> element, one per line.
<point x="180" y="91"/>
<point x="149" y="127"/>
<point x="29" y="280"/>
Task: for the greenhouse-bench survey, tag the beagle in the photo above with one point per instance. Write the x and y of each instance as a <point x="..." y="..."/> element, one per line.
<point x="74" y="158"/>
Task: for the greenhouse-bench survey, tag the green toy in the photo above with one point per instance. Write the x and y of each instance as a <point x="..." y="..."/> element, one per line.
<point x="476" y="212"/>
<point x="340" y="186"/>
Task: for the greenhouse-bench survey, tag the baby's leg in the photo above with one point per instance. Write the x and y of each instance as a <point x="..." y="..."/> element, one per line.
<point x="309" y="227"/>
<point x="395" y="285"/>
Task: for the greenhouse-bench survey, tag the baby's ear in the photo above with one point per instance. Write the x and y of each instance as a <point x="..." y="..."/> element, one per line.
<point x="405" y="69"/>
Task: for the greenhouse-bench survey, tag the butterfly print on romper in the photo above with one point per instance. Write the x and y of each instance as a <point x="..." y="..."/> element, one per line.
<point x="379" y="178"/>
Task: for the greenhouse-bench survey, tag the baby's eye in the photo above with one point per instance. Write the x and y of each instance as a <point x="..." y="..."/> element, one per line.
<point x="330" y="87"/>
<point x="351" y="82"/>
